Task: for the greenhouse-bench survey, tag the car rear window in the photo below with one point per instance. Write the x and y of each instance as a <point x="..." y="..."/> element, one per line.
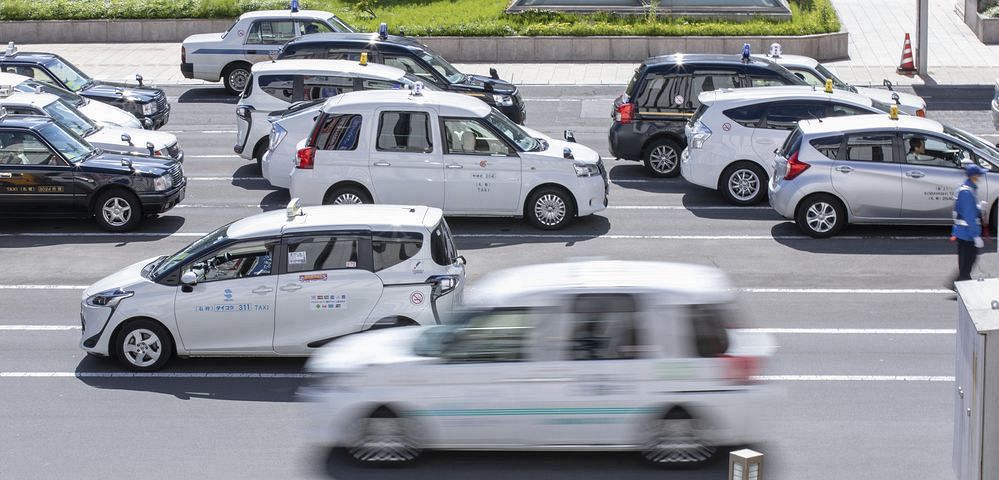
<point x="792" y="144"/>
<point x="662" y="92"/>
<point x="441" y="246"/>
<point x="698" y="114"/>
<point x="747" y="116"/>
<point x="337" y="132"/>
<point x="392" y="248"/>
<point x="828" y="146"/>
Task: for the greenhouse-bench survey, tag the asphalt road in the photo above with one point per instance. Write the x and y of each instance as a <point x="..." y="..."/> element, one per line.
<point x="864" y="328"/>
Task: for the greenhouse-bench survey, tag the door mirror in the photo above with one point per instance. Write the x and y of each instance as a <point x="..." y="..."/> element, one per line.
<point x="189" y="278"/>
<point x="126" y="138"/>
<point x="460" y="259"/>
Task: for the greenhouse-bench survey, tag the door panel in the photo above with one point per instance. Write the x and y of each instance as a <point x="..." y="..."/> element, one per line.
<point x="482" y="173"/>
<point x="405" y="165"/>
<point x="867" y="178"/>
<point x="34" y="179"/>
<point x="931" y="174"/>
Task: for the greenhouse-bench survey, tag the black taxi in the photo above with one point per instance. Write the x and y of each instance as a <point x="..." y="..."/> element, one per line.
<point x="148" y="104"/>
<point x="48" y="171"/>
<point x="649" y="117"/>
<point x="414" y="58"/>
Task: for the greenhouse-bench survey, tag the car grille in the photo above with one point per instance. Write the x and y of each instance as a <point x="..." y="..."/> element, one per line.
<point x="173" y="151"/>
<point x="161" y="103"/>
<point x="177" y="174"/>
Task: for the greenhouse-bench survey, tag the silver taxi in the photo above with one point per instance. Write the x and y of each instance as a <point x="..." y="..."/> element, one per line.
<point x="876" y="169"/>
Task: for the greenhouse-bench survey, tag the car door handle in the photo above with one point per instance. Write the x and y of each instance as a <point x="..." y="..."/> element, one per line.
<point x="291" y="287"/>
<point x="262" y="290"/>
<point x="915" y="174"/>
<point x="454" y="165"/>
<point x="764" y="142"/>
<point x="382" y="164"/>
<point x="844" y="169"/>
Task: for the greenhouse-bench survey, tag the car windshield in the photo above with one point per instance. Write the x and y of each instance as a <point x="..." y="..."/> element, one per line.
<point x="512" y="131"/>
<point x="442" y="66"/>
<point x="339" y="25"/>
<point x="73" y="79"/>
<point x="64" y="95"/>
<point x="409" y="80"/>
<point x="70" y="118"/>
<point x="207" y="242"/>
<point x="74" y="148"/>
<point x="974" y="141"/>
<point x="837" y="83"/>
<point x="226" y="32"/>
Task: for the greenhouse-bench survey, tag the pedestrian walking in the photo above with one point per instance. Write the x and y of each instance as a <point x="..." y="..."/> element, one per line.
<point x="967" y="229"/>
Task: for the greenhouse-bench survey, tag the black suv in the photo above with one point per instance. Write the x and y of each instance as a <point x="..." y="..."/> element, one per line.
<point x="148" y="104"/>
<point x="414" y="58"/>
<point x="47" y="171"/>
<point x="649" y="117"/>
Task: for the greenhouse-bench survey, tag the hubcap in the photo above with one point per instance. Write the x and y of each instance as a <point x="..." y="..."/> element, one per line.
<point x="237" y="79"/>
<point x="116" y="211"/>
<point x="821" y="217"/>
<point x="347" y="199"/>
<point x="662" y="159"/>
<point x="550" y="209"/>
<point x="384" y="440"/>
<point x="676" y="441"/>
<point x="744" y="184"/>
<point x="142" y="347"/>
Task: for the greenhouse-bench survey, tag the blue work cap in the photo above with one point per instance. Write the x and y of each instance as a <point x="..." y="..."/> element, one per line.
<point x="972" y="170"/>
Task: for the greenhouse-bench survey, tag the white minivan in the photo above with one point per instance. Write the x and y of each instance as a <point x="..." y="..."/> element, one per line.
<point x="279" y="283"/>
<point x="275" y="85"/>
<point x="444" y="150"/>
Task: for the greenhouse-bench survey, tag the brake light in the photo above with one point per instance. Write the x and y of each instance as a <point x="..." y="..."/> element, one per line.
<point x="305" y="159"/>
<point x="183" y="54"/>
<point x="921" y="112"/>
<point x="795" y="167"/>
<point x="625" y="113"/>
<point x="741" y="370"/>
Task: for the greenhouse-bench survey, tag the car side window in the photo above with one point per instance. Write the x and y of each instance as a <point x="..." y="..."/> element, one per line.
<point x="241" y="260"/>
<point x="604" y="327"/>
<point x="306" y="27"/>
<point x="326" y="252"/>
<point x="494" y="336"/>
<point x="441" y="248"/>
<point x="707" y="323"/>
<point x="747" y="116"/>
<point x="828" y="146"/>
<point x="281" y="87"/>
<point x="465" y="136"/>
<point x="24" y="148"/>
<point x="873" y="147"/>
<point x="840" y="110"/>
<point x="271" y="32"/>
<point x="660" y="92"/>
<point x="392" y="248"/>
<point x="757" y="80"/>
<point x="785" y="115"/>
<point x="409" y="65"/>
<point x="33" y="72"/>
<point x="809" y="77"/>
<point x="404" y="132"/>
<point x="315" y="87"/>
<point x="707" y="82"/>
<point x="338" y="132"/>
<point x="929" y="151"/>
<point x="337" y="54"/>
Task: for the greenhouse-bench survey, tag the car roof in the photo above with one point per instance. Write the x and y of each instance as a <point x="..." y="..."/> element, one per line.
<point x="860" y="123"/>
<point x="336" y="217"/>
<point x="27" y="98"/>
<point x="690" y="283"/>
<point x="792" y="60"/>
<point x="7" y="78"/>
<point x="446" y="103"/>
<point x="24" y="121"/>
<point x="29" y="57"/>
<point x="705" y="58"/>
<point x="297" y="65"/>
<point x="788" y="92"/>
<point x="366" y="38"/>
<point x="286" y="13"/>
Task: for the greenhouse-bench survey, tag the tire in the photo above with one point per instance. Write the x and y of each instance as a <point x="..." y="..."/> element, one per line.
<point x="117" y="210"/>
<point x="673" y="442"/>
<point x="743" y="184"/>
<point x="993" y="220"/>
<point x="258" y="152"/>
<point x="347" y="196"/>
<point x="662" y="158"/>
<point x="820" y="216"/>
<point x="234" y="77"/>
<point x="549" y="208"/>
<point x="384" y="440"/>
<point x="143" y="346"/>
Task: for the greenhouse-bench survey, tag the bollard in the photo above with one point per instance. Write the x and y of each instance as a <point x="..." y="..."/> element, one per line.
<point x="745" y="464"/>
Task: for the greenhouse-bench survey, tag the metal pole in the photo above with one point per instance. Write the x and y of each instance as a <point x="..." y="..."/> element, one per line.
<point x="922" y="35"/>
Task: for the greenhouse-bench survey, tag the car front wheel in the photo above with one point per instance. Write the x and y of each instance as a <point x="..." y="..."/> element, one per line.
<point x="550" y="208"/>
<point x="143" y="346"/>
<point x="821" y="216"/>
<point x="384" y="439"/>
<point x="117" y="210"/>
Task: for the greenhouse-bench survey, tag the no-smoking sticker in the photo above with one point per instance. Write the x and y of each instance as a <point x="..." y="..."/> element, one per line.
<point x="416" y="298"/>
<point x="726" y="126"/>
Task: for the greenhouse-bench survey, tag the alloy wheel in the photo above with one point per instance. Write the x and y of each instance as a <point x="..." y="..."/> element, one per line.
<point x="142" y="347"/>
<point x="744" y="185"/>
<point x="116" y="211"/>
<point x="550" y="209"/>
<point x="821" y="217"/>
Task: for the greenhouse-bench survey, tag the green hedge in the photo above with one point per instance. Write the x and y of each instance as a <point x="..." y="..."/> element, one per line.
<point x="436" y="17"/>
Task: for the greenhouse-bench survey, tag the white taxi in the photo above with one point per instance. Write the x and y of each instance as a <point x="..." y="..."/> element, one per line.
<point x="599" y="355"/>
<point x="278" y="283"/>
<point x="273" y="86"/>
<point x="444" y="150"/>
<point x="255" y="37"/>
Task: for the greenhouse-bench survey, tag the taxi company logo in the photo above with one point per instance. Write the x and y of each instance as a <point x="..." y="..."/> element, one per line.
<point x="726" y="126"/>
<point x="483" y="163"/>
<point x="227" y="295"/>
<point x="314" y="277"/>
<point x="416" y="298"/>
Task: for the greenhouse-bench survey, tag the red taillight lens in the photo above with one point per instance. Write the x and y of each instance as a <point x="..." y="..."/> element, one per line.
<point x="183" y="55"/>
<point x="741" y="369"/>
<point x="306" y="158"/>
<point x="921" y="113"/>
<point x="625" y="113"/>
<point x="795" y="167"/>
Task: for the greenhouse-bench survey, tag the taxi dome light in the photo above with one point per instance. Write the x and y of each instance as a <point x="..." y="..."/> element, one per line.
<point x="417" y="89"/>
<point x="746" y="52"/>
<point x="383" y="31"/>
<point x="893" y="112"/>
<point x="38" y="90"/>
<point x="775" y="50"/>
<point x="364" y="59"/>
<point x="294" y="209"/>
<point x="294" y="6"/>
<point x="11" y="49"/>
<point x="6" y="90"/>
<point x="829" y="85"/>
<point x="3" y="112"/>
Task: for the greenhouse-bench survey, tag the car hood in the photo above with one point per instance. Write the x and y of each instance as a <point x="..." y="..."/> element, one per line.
<point x="909" y="103"/>
<point x="109" y="115"/>
<point x="580" y="153"/>
<point x="377" y="347"/>
<point x="480" y="83"/>
<point x="108" y="162"/>
<point x="122" y="91"/>
<point x="110" y="138"/>
<point x="124" y="278"/>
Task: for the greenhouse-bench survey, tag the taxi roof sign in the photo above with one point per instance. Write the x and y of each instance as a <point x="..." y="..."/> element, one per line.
<point x="364" y="59"/>
<point x="383" y="31"/>
<point x="746" y="52"/>
<point x="11" y="49"/>
<point x="829" y="85"/>
<point x="775" y="50"/>
<point x="893" y="112"/>
<point x="294" y="209"/>
<point x="417" y="89"/>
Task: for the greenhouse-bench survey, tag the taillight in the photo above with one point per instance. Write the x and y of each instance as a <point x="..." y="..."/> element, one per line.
<point x="921" y="112"/>
<point x="306" y="158"/>
<point x="183" y="54"/>
<point x="625" y="113"/>
<point x="741" y="369"/>
<point x="795" y="167"/>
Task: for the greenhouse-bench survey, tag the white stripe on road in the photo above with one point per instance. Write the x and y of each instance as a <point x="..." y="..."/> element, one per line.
<point x="226" y="179"/>
<point x="43" y="287"/>
<point x="853" y="331"/>
<point x="210" y="156"/>
<point x="853" y="378"/>
<point x="875" y="291"/>
<point x="512" y="235"/>
<point x="198" y="131"/>
<point x="35" y="328"/>
<point x="288" y="376"/>
<point x="616" y="207"/>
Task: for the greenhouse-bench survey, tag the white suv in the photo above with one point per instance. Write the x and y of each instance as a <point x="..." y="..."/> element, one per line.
<point x="732" y="136"/>
<point x="444" y="150"/>
<point x="278" y="283"/>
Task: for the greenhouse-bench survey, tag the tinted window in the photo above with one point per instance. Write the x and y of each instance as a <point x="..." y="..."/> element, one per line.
<point x="869" y="148"/>
<point x="324" y="86"/>
<point x="933" y="151"/>
<point x="337" y="54"/>
<point x="404" y="132"/>
<point x="441" y="248"/>
<point x="281" y="87"/>
<point x="496" y="336"/>
<point x="709" y="81"/>
<point x="393" y="248"/>
<point x="660" y="92"/>
<point x="271" y="32"/>
<point x="747" y="116"/>
<point x="766" y="81"/>
<point x="471" y="137"/>
<point x="828" y="146"/>
<point x="840" y="110"/>
<point x="240" y="260"/>
<point x="810" y="78"/>
<point x="791" y="144"/>
<point x="708" y="324"/>
<point x="410" y="66"/>
<point x="338" y="132"/>
<point x="785" y="115"/>
<point x="23" y="148"/>
<point x="604" y="327"/>
<point x="322" y="253"/>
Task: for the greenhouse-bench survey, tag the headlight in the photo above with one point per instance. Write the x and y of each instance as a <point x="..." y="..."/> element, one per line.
<point x="586" y="170"/>
<point x="163" y="182"/>
<point x="503" y="100"/>
<point x="700" y="134"/>
<point x="277" y="134"/>
<point x="148" y="108"/>
<point x="108" y="298"/>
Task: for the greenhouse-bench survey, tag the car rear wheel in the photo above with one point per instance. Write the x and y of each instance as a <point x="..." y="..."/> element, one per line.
<point x="384" y="439"/>
<point x="117" y="210"/>
<point x="744" y="184"/>
<point x="143" y="346"/>
<point x="662" y="158"/>
<point x="674" y="441"/>
<point x="821" y="216"/>
<point x="235" y="77"/>
<point x="347" y="196"/>
<point x="550" y="208"/>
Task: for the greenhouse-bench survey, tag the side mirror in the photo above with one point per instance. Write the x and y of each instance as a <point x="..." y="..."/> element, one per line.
<point x="151" y="148"/>
<point x="189" y="278"/>
<point x="126" y="138"/>
<point x="461" y="259"/>
<point x="887" y="84"/>
<point x="138" y="78"/>
<point x="493" y="74"/>
<point x="569" y="136"/>
<point x="127" y="164"/>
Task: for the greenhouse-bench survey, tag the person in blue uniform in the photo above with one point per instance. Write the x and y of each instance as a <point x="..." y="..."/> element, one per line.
<point x="967" y="222"/>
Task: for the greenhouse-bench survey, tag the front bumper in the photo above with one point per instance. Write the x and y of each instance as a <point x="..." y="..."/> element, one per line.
<point x="160" y="202"/>
<point x="94" y="321"/>
<point x="591" y="195"/>
<point x="187" y="70"/>
<point x="156" y="120"/>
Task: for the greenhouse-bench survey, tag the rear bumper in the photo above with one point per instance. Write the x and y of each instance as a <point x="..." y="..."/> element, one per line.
<point x="187" y="70"/>
<point x="625" y="143"/>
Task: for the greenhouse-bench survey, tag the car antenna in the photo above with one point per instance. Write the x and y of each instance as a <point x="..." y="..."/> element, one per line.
<point x="816" y="117"/>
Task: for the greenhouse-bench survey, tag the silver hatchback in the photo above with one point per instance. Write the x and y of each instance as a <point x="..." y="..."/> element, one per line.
<point x="877" y="170"/>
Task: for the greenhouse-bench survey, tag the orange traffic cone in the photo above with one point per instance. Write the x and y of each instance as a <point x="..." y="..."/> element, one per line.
<point x="907" y="66"/>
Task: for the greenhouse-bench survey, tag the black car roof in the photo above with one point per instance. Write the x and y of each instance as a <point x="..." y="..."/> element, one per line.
<point x="24" y="121"/>
<point x="705" y="59"/>
<point x="30" y="57"/>
<point x="367" y="38"/>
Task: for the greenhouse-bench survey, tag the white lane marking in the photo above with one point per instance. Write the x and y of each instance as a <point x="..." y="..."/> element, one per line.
<point x="853" y="331"/>
<point x="853" y="378"/>
<point x="684" y="237"/>
<point x="102" y="234"/>
<point x="288" y="376"/>
<point x="681" y="207"/>
<point x="198" y="131"/>
<point x="43" y="287"/>
<point x="227" y="179"/>
<point x="246" y="205"/>
<point x="33" y="328"/>
<point x="849" y="290"/>
<point x="211" y="156"/>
